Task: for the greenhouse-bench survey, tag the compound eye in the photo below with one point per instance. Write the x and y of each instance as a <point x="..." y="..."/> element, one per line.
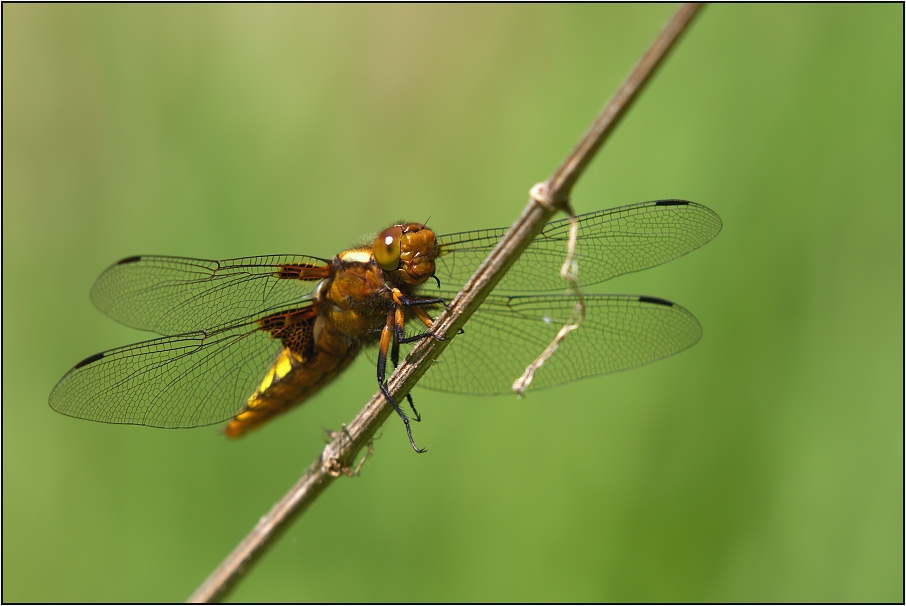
<point x="387" y="248"/>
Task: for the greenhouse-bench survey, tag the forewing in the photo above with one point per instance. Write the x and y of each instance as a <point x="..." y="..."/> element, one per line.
<point x="175" y="295"/>
<point x="610" y="243"/>
<point x="177" y="381"/>
<point x="507" y="333"/>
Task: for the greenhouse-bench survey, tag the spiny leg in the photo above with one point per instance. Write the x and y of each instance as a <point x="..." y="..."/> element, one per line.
<point x="415" y="305"/>
<point x="400" y="299"/>
<point x="397" y="319"/>
<point x="418" y="417"/>
<point x="395" y="357"/>
<point x="386" y="337"/>
<point x="427" y="320"/>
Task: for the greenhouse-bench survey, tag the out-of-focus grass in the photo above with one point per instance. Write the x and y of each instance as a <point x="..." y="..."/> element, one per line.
<point x="765" y="464"/>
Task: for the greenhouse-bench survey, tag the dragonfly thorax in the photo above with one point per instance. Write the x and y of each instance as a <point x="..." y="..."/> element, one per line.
<point x="357" y="297"/>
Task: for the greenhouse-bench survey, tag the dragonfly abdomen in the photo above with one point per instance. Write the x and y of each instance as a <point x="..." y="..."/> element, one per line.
<point x="315" y="353"/>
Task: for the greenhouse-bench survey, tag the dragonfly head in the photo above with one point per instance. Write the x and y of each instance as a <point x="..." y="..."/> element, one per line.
<point x="407" y="252"/>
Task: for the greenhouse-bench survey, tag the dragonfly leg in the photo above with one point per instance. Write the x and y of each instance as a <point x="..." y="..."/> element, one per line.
<point x="395" y="353"/>
<point x="400" y="299"/>
<point x="395" y="358"/>
<point x="400" y="317"/>
<point x="417" y="418"/>
<point x="399" y="333"/>
<point x="403" y="416"/>
<point x="428" y="321"/>
<point x="421" y="336"/>
<point x="386" y="337"/>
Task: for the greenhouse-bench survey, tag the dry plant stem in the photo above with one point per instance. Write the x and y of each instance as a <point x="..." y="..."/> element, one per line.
<point x="570" y="273"/>
<point x="569" y="172"/>
<point x="338" y="456"/>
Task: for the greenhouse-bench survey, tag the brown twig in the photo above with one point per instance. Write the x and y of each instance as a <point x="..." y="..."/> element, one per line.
<point x="338" y="456"/>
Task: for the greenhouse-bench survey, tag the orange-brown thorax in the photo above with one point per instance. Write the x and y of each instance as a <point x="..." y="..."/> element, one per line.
<point x="349" y="310"/>
<point x="359" y="296"/>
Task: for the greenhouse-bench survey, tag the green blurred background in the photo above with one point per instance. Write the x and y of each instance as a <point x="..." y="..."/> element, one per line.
<point x="765" y="464"/>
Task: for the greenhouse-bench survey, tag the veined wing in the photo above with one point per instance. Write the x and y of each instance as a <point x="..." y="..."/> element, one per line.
<point x="610" y="243"/>
<point x="507" y="333"/>
<point x="185" y="380"/>
<point x="175" y="295"/>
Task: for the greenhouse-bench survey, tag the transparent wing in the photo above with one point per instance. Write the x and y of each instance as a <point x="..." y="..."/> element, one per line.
<point x="507" y="333"/>
<point x="175" y="295"/>
<point x="177" y="381"/>
<point x="610" y="243"/>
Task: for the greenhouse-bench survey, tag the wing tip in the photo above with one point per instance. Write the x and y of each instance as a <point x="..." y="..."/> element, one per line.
<point x="656" y="301"/>
<point x="89" y="360"/>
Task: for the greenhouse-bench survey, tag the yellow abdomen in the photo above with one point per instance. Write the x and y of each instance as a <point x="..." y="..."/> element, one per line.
<point x="293" y="378"/>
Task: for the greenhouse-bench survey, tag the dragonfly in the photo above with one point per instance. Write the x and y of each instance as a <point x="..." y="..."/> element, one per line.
<point x="245" y="340"/>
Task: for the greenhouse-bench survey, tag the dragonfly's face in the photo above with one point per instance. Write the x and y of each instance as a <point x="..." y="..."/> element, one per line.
<point x="407" y="252"/>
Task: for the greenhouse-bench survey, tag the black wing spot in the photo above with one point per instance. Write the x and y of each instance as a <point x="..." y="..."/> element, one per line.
<point x="130" y="260"/>
<point x="671" y="203"/>
<point x="89" y="360"/>
<point x="655" y="301"/>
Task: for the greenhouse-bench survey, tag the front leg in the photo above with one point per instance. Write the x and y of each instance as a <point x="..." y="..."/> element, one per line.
<point x="387" y="335"/>
<point x="415" y="305"/>
<point x="399" y="334"/>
